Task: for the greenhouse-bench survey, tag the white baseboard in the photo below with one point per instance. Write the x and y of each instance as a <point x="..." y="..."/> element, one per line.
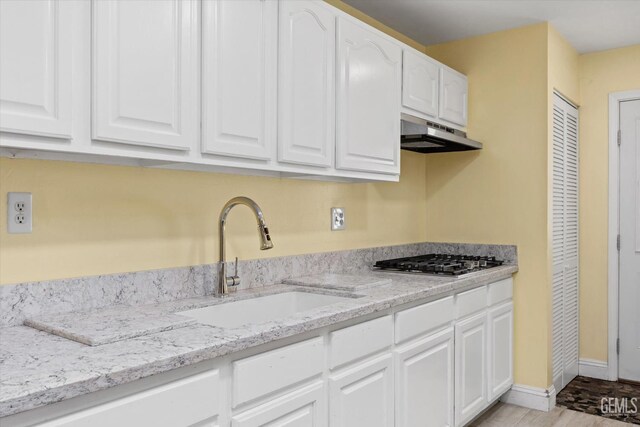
<point x="593" y="369"/>
<point x="531" y="397"/>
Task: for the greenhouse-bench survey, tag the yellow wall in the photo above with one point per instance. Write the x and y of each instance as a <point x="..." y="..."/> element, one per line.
<point x="600" y="74"/>
<point x="94" y="219"/>
<point x="499" y="195"/>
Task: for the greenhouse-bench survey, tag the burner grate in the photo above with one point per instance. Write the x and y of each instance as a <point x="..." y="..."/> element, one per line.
<point x="443" y="264"/>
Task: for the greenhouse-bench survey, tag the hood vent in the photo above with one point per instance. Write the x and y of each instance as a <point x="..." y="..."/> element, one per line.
<point x="424" y="136"/>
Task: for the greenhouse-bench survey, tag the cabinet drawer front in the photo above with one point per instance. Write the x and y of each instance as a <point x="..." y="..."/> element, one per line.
<point x="265" y="373"/>
<point x="360" y="340"/>
<point x="471" y="301"/>
<point x="186" y="402"/>
<point x="418" y="320"/>
<point x="500" y="291"/>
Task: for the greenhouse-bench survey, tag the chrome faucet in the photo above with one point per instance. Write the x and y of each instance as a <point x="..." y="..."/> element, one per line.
<point x="228" y="283"/>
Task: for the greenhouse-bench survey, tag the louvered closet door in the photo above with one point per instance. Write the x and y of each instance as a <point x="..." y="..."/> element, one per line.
<point x="565" y="243"/>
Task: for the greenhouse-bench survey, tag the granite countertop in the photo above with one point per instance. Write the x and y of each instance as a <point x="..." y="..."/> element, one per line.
<point x="38" y="368"/>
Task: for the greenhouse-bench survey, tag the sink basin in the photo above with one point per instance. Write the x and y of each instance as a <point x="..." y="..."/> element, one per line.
<point x="260" y="309"/>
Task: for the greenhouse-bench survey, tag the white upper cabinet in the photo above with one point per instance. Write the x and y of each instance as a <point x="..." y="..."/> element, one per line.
<point x="453" y="96"/>
<point x="368" y="99"/>
<point x="420" y="77"/>
<point x="306" y="101"/>
<point x="35" y="67"/>
<point x="145" y="73"/>
<point x="239" y="78"/>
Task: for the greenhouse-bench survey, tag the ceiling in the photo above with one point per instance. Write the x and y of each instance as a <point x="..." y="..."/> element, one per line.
<point x="589" y="25"/>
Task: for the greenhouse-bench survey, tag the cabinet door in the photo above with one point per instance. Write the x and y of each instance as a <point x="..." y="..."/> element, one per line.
<point x="470" y="367"/>
<point x="306" y="101"/>
<point x="453" y="96"/>
<point x="368" y="100"/>
<point x="239" y="77"/>
<point x="420" y="77"/>
<point x="145" y="72"/>
<point x="35" y="67"/>
<point x="424" y="382"/>
<point x="362" y="395"/>
<point x="500" y="351"/>
<point x="302" y="408"/>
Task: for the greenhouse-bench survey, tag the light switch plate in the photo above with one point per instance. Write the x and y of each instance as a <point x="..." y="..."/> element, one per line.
<point x="337" y="219"/>
<point x="19" y="213"/>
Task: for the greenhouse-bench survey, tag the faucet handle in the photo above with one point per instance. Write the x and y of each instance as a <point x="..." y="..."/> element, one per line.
<point x="235" y="268"/>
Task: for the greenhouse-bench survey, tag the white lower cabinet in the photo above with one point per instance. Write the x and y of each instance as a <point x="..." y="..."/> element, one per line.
<point x="424" y="381"/>
<point x="471" y="367"/>
<point x="302" y="408"/>
<point x="189" y="402"/>
<point x="500" y="371"/>
<point x="435" y="364"/>
<point x="362" y="394"/>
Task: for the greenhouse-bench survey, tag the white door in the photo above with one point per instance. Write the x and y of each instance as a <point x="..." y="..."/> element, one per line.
<point x="145" y="73"/>
<point x="564" y="243"/>
<point x="424" y="382"/>
<point x="35" y="67"/>
<point x="368" y="100"/>
<point x="470" y="368"/>
<point x="420" y="77"/>
<point x="629" y="316"/>
<point x="453" y="96"/>
<point x="500" y="351"/>
<point x="362" y="395"/>
<point x="301" y="408"/>
<point x="239" y="77"/>
<point x="306" y="99"/>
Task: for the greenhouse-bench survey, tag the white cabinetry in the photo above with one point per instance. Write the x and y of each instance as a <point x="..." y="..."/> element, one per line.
<point x="453" y="96"/>
<point x="500" y="351"/>
<point x="306" y="99"/>
<point x="424" y="382"/>
<point x="192" y="401"/>
<point x="368" y="99"/>
<point x="471" y="367"/>
<point x="239" y="79"/>
<point x="420" y="78"/>
<point x="35" y="67"/>
<point x="362" y="394"/>
<point x="305" y="407"/>
<point x="145" y="73"/>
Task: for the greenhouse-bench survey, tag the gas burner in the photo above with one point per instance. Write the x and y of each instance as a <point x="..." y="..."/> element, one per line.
<point x="440" y="264"/>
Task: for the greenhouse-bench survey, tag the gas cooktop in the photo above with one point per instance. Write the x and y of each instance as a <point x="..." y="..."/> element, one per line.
<point x="440" y="264"/>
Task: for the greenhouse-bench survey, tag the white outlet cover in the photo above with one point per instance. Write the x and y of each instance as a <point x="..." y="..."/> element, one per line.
<point x="19" y="213"/>
<point x="337" y="219"/>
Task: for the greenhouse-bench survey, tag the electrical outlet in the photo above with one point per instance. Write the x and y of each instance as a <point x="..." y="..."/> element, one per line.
<point x="337" y="219"/>
<point x="19" y="213"/>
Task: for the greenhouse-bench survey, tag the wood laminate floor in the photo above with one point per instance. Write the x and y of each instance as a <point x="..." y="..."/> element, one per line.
<point x="505" y="415"/>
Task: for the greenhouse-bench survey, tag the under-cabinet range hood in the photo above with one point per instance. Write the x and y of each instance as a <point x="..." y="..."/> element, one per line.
<point x="424" y="136"/>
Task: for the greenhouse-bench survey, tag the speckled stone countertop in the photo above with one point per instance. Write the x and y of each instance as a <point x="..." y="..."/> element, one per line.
<point x="38" y="368"/>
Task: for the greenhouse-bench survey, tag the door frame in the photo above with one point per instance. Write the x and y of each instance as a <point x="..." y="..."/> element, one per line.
<point x="615" y="98"/>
